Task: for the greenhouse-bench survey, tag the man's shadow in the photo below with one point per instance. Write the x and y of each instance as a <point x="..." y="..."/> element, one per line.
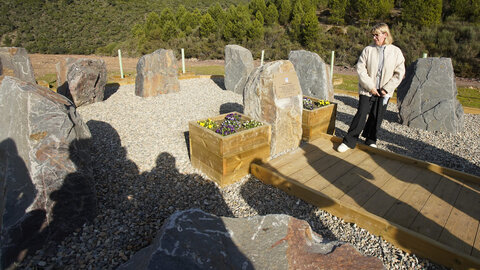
<point x="146" y="199"/>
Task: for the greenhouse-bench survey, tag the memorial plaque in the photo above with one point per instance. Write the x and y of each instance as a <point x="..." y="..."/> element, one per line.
<point x="286" y="84"/>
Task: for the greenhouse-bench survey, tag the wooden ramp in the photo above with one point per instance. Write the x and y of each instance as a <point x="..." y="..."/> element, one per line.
<point x="418" y="206"/>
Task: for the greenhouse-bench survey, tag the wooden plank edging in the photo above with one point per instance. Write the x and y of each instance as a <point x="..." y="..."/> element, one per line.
<point x="401" y="237"/>
<point x="458" y="175"/>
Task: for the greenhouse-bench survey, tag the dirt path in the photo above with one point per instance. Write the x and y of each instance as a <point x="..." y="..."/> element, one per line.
<point x="45" y="64"/>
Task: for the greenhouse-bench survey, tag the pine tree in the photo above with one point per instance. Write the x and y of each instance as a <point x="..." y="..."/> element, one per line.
<point x="257" y="5"/>
<point x="271" y="17"/>
<point x="422" y="13"/>
<point x="295" y="27"/>
<point x="285" y="12"/>
<point x="311" y="29"/>
<point x="259" y="17"/>
<point x="207" y="25"/>
<point x="337" y="11"/>
<point x="255" y="31"/>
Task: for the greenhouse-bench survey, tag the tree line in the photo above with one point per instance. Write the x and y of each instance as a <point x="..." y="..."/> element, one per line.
<point x="446" y="28"/>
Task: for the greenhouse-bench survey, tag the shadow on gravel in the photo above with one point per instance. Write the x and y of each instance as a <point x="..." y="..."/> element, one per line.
<point x="409" y="147"/>
<point x="110" y="89"/>
<point x="132" y="205"/>
<point x="219" y="80"/>
<point x="267" y="199"/>
<point x="231" y="107"/>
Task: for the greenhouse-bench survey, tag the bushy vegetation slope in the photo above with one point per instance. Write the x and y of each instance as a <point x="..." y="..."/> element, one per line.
<point x="448" y="28"/>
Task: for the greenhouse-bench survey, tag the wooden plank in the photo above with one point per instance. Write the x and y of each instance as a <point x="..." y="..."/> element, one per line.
<point x="319" y="165"/>
<point x="384" y="198"/>
<point x="291" y="156"/>
<point x="407" y="206"/>
<point x="303" y="161"/>
<point x="437" y="209"/>
<point x="457" y="176"/>
<point x="359" y="194"/>
<point x="352" y="178"/>
<point x="403" y="238"/>
<point x="462" y="224"/>
<point x="476" y="245"/>
<point x="340" y="167"/>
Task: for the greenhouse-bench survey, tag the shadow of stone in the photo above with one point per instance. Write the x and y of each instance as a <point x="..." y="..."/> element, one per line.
<point x="219" y="80"/>
<point x="231" y="107"/>
<point x="186" y="135"/>
<point x="416" y="149"/>
<point x="110" y="89"/>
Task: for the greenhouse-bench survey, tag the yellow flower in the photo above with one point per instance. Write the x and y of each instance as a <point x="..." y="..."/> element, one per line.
<point x="202" y="124"/>
<point x="210" y="126"/>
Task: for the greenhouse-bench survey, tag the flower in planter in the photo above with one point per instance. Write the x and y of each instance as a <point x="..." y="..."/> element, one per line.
<point x="310" y="104"/>
<point x="231" y="123"/>
<point x="208" y="124"/>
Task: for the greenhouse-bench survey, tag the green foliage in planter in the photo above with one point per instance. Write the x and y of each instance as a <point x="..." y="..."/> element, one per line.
<point x="232" y="123"/>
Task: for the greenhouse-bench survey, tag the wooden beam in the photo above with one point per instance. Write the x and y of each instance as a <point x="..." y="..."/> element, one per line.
<point x="399" y="236"/>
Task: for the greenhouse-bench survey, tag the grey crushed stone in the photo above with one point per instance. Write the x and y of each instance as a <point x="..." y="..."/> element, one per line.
<point x="143" y="175"/>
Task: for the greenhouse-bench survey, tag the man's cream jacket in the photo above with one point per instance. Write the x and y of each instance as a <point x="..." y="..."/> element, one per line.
<point x="392" y="72"/>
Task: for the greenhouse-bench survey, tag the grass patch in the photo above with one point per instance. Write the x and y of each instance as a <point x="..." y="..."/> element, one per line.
<point x="205" y="70"/>
<point x="468" y="97"/>
<point x="51" y="79"/>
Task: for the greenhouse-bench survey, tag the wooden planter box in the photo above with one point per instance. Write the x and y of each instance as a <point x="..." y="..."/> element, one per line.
<point x="318" y="121"/>
<point x="226" y="159"/>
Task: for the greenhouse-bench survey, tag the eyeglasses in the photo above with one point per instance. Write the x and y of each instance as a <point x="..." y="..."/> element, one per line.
<point x="376" y="35"/>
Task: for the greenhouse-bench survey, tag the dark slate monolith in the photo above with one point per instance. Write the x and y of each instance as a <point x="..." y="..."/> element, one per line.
<point x="46" y="178"/>
<point x="273" y="95"/>
<point x="157" y="73"/>
<point x="82" y="80"/>
<point x="427" y="97"/>
<point x="193" y="239"/>
<point x="15" y="62"/>
<point x="313" y="74"/>
<point x="238" y="65"/>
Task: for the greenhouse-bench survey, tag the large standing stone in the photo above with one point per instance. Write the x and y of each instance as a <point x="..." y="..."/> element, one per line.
<point x="313" y="74"/>
<point x="15" y="62"/>
<point x="238" y="65"/>
<point x="273" y="95"/>
<point x="46" y="182"/>
<point x="83" y="80"/>
<point x="157" y="74"/>
<point x="193" y="239"/>
<point x="427" y="97"/>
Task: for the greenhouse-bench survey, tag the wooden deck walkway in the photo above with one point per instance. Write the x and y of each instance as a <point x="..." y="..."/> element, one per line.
<point x="420" y="207"/>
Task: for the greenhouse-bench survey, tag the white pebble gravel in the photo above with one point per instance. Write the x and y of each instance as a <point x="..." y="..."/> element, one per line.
<point x="143" y="174"/>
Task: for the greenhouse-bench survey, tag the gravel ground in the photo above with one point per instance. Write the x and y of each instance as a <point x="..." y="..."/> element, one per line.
<point x="143" y="175"/>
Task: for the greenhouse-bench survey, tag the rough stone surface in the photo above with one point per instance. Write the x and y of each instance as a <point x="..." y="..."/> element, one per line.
<point x="45" y="169"/>
<point x="273" y="95"/>
<point x="313" y="74"/>
<point x="238" y="65"/>
<point x="14" y="61"/>
<point x="82" y="80"/>
<point x="193" y="239"/>
<point x="157" y="74"/>
<point x="427" y="97"/>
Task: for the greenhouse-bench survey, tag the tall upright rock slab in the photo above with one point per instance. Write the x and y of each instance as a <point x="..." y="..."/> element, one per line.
<point x="273" y="95"/>
<point x="238" y="65"/>
<point x="157" y="74"/>
<point x="427" y="97"/>
<point x="46" y="178"/>
<point x="82" y="80"/>
<point x="14" y="61"/>
<point x="313" y="74"/>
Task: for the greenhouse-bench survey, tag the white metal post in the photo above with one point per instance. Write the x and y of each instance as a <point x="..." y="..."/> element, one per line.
<point x="261" y="59"/>
<point x="183" y="61"/>
<point x="424" y="55"/>
<point x="120" y="63"/>
<point x="331" y="65"/>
